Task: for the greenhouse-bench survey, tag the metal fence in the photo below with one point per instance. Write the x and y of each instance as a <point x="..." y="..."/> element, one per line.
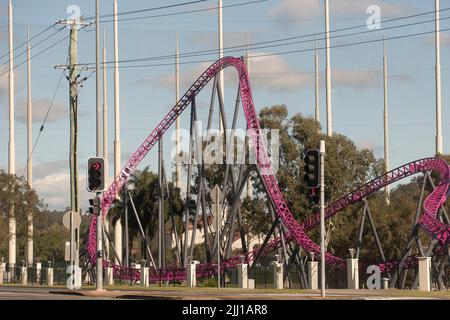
<point x="34" y="275"/>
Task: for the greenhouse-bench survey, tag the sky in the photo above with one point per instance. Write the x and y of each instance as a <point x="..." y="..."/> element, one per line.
<point x="147" y="93"/>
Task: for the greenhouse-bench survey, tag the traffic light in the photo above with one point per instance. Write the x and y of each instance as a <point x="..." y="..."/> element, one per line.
<point x="95" y="206"/>
<point x="312" y="169"/>
<point x="96" y="174"/>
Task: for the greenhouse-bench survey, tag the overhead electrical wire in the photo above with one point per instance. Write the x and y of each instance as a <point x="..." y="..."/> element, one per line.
<point x="35" y="45"/>
<point x="291" y="51"/>
<point x="45" y="119"/>
<point x="186" y="12"/>
<point x="40" y="52"/>
<point x="31" y="39"/>
<point x="257" y="45"/>
<point x="170" y="6"/>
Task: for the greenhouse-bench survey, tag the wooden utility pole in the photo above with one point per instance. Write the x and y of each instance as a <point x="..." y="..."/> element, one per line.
<point x="74" y="81"/>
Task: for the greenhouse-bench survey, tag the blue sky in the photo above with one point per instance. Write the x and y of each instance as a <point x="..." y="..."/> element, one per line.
<point x="148" y="93"/>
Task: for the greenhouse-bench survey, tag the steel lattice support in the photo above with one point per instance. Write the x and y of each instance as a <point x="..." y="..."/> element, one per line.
<point x="293" y="230"/>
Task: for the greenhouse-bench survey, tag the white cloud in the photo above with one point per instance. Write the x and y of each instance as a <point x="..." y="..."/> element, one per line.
<point x="275" y="73"/>
<point x="39" y="109"/>
<point x="371" y="145"/>
<point x="55" y="190"/>
<point x="306" y="9"/>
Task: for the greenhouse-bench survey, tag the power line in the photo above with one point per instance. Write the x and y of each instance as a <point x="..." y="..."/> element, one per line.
<point x="46" y="117"/>
<point x="186" y="12"/>
<point x="150" y="9"/>
<point x="254" y="46"/>
<point x="26" y="42"/>
<point x="291" y="51"/>
<point x="257" y="45"/>
<point x="41" y="52"/>
<point x="35" y="45"/>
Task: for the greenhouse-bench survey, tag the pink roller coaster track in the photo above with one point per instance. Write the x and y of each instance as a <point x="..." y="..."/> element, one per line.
<point x="296" y="231"/>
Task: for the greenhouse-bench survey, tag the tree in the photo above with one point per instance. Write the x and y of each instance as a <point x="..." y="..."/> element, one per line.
<point x="18" y="198"/>
<point x="145" y="196"/>
<point x="346" y="166"/>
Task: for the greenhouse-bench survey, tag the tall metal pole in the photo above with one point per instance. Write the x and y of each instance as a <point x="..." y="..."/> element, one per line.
<point x="328" y="70"/>
<point x="218" y="234"/>
<point x="221" y="74"/>
<point x="105" y="130"/>
<point x="29" y="149"/>
<point x="322" y="217"/>
<point x="439" y="148"/>
<point x="161" y="224"/>
<point x="178" y="121"/>
<point x="12" y="144"/>
<point x="247" y="64"/>
<point x="117" y="147"/>
<point x="99" y="271"/>
<point x="386" y="125"/>
<point x="127" y="245"/>
<point x="316" y="76"/>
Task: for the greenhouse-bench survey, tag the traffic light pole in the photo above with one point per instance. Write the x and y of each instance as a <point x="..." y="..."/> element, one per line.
<point x="99" y="282"/>
<point x="322" y="217"/>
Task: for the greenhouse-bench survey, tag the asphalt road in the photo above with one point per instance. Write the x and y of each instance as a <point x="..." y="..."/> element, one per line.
<point x="14" y="293"/>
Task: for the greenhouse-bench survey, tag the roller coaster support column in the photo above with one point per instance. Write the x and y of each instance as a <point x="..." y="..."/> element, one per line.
<point x="322" y="217"/>
<point x="374" y="230"/>
<point x="152" y="261"/>
<point x="424" y="273"/>
<point x="413" y="236"/>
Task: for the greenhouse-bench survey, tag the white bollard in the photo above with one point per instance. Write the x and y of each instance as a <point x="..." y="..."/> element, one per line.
<point x="38" y="272"/>
<point x="385" y="283"/>
<point x="77" y="278"/>
<point x="145" y="281"/>
<point x="277" y="275"/>
<point x="1" y="273"/>
<point x="313" y="275"/>
<point x="191" y="275"/>
<point x="242" y="270"/>
<point x="109" y="276"/>
<point x="352" y="274"/>
<point x="50" y="277"/>
<point x="23" y="275"/>
<point x="424" y="273"/>
<point x="251" y="284"/>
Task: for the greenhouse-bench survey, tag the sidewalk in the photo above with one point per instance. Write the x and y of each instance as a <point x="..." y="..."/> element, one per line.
<point x="236" y="294"/>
